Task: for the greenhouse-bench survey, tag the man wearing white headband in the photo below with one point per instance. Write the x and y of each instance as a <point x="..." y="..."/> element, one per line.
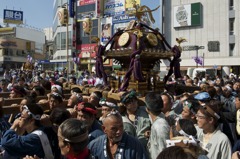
<point x="35" y="142"/>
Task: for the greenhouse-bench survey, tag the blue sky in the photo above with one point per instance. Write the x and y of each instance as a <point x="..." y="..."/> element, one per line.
<point x="39" y="13"/>
<point x="36" y="13"/>
<point x="152" y="4"/>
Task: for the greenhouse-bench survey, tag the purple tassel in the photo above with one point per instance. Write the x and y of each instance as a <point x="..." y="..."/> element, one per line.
<point x="174" y="64"/>
<point x="137" y="69"/>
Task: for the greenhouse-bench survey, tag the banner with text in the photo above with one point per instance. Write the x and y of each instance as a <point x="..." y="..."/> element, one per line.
<point x="12" y="16"/>
<point x="114" y="7"/>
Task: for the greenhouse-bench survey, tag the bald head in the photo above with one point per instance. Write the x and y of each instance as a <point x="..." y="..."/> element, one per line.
<point x="112" y="118"/>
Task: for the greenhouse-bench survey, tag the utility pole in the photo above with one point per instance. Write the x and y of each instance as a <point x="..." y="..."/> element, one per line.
<point x="63" y="16"/>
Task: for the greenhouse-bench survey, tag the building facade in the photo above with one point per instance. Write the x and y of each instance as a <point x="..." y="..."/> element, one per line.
<point x="16" y="43"/>
<point x="211" y="29"/>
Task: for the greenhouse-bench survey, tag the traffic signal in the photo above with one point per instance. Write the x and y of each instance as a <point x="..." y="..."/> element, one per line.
<point x="63" y="16"/>
<point x="87" y="25"/>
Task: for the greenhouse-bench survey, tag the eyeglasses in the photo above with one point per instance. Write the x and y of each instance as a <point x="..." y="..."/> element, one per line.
<point x="200" y="116"/>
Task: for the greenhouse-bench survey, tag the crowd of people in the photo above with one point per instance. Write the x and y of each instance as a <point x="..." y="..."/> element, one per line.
<point x="202" y="124"/>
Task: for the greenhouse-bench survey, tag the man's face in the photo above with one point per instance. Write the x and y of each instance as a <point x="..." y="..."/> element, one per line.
<point x="53" y="103"/>
<point x="166" y="104"/>
<point x="62" y="145"/>
<point x="237" y="103"/>
<point x="20" y="83"/>
<point x="226" y="92"/>
<point x="71" y="81"/>
<point x="25" y="120"/>
<point x="72" y="101"/>
<point x="13" y="94"/>
<point x="132" y="106"/>
<point x="236" y="86"/>
<point x="186" y="113"/>
<point x="105" y="111"/>
<point x="85" y="117"/>
<point x="202" y="120"/>
<point x="113" y="128"/>
<point x="93" y="100"/>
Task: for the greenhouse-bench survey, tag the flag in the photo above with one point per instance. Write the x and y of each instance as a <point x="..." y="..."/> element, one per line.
<point x="198" y="60"/>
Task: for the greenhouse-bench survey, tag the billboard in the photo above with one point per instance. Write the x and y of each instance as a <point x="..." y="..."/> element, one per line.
<point x="12" y="16"/>
<point x="106" y="32"/>
<point x="85" y="2"/>
<point x="114" y="7"/>
<point x="187" y="15"/>
<point x="121" y="22"/>
<point x="87" y="50"/>
<point x="129" y="6"/>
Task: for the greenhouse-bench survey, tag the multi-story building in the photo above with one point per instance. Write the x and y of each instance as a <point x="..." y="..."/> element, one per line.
<point x="60" y="34"/>
<point x="16" y="43"/>
<point x="211" y="29"/>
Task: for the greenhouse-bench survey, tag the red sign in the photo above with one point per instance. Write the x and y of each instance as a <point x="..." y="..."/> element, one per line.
<point x="85" y="2"/>
<point x="87" y="50"/>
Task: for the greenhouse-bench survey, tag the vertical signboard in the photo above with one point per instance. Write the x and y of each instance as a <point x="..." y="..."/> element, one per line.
<point x="187" y="15"/>
<point x="71" y="8"/>
<point x="114" y="7"/>
<point x="106" y="24"/>
<point x="12" y="16"/>
<point x="196" y="11"/>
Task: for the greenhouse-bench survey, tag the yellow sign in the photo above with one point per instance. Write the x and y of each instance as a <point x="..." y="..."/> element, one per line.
<point x="129" y="8"/>
<point x="7" y="29"/>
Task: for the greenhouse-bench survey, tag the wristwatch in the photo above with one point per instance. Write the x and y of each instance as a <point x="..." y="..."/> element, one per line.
<point x="182" y="16"/>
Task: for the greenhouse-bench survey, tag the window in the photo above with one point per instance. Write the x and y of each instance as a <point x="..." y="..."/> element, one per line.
<point x="231" y="4"/>
<point x="231" y="26"/>
<point x="63" y="41"/>
<point x="231" y="49"/>
<point x="58" y="41"/>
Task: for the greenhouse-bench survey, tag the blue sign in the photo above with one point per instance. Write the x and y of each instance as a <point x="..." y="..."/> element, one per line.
<point x="71" y="8"/>
<point x="114" y="7"/>
<point x="12" y="16"/>
<point x="122" y="18"/>
<point x="43" y="61"/>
